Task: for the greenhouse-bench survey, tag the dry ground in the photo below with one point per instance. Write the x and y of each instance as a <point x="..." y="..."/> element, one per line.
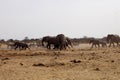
<point x="79" y="63"/>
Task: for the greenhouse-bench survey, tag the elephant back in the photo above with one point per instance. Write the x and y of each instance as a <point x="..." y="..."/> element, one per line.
<point x="61" y="38"/>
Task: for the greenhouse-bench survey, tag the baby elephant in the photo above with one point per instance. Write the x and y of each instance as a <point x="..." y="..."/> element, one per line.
<point x="21" y="46"/>
<point x="97" y="43"/>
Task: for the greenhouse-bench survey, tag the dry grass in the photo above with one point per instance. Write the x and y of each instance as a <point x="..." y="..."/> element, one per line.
<point x="79" y="63"/>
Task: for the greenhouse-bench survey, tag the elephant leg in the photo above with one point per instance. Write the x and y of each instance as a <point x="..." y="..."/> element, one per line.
<point x="118" y="44"/>
<point x="28" y="47"/>
<point x="110" y="44"/>
<point x="113" y="44"/>
<point x="61" y="47"/>
<point x="24" y="47"/>
<point x="64" y="46"/>
<point x="56" y="46"/>
<point x="92" y="46"/>
<point x="48" y="45"/>
<point x="16" y="47"/>
<point x="20" y="47"/>
<point x="105" y="45"/>
<point x="98" y="45"/>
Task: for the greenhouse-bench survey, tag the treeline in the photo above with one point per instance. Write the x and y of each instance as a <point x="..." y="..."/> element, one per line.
<point x="77" y="41"/>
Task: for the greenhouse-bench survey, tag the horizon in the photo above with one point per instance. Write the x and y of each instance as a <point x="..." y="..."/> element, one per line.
<point x="26" y="37"/>
<point x="75" y="19"/>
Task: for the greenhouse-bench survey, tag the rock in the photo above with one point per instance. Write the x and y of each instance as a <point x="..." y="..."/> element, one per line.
<point x="112" y="61"/>
<point x="21" y="64"/>
<point x="75" y="61"/>
<point x="5" y="59"/>
<point x="97" y="69"/>
<point x="39" y="64"/>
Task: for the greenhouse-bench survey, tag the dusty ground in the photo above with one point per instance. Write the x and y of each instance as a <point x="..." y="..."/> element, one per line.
<point x="79" y="63"/>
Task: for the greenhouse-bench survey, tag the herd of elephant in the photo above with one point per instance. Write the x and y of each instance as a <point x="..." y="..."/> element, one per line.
<point x="62" y="42"/>
<point x="110" y="39"/>
<point x="58" y="42"/>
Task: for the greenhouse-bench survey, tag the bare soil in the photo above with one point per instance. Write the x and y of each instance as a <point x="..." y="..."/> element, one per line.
<point x="78" y="63"/>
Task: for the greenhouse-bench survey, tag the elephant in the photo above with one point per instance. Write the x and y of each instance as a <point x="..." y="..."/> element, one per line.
<point x="45" y="39"/>
<point x="94" y="43"/>
<point x="50" y="41"/>
<point x="20" y="46"/>
<point x="98" y="43"/>
<point x="103" y="43"/>
<point x="62" y="41"/>
<point x="111" y="39"/>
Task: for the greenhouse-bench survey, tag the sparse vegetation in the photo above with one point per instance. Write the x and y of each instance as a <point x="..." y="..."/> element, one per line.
<point x="79" y="62"/>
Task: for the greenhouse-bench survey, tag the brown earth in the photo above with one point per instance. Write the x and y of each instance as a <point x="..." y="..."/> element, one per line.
<point x="79" y="63"/>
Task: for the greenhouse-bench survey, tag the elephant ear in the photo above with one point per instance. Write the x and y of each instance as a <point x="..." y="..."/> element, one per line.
<point x="44" y="39"/>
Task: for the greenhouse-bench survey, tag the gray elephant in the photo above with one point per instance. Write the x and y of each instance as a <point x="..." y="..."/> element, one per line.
<point x="20" y="45"/>
<point x="112" y="39"/>
<point x="95" y="43"/>
<point x="50" y="41"/>
<point x="62" y="41"/>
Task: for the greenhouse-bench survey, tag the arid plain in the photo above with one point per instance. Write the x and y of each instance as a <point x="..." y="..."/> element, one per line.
<point x="77" y="63"/>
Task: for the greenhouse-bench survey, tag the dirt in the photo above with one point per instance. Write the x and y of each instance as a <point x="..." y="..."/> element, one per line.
<point x="78" y="63"/>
